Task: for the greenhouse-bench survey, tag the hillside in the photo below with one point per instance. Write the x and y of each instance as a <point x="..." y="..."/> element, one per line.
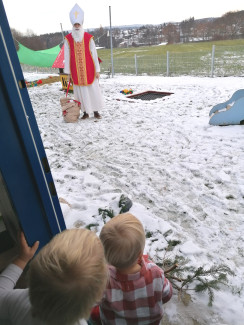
<point x="228" y="27"/>
<point x="163" y="49"/>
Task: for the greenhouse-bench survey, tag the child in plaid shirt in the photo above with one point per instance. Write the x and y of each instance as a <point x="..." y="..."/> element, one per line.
<point x="137" y="288"/>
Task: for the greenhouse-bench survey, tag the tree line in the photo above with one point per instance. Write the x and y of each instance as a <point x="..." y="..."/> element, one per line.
<point x="228" y="26"/>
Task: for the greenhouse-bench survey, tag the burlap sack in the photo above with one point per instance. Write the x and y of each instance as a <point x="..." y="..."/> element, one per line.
<point x="70" y="110"/>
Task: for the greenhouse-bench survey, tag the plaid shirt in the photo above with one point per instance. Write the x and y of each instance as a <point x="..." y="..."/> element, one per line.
<point x="132" y="299"/>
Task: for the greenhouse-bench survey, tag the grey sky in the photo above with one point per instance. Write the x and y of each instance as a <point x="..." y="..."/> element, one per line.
<point x="45" y="16"/>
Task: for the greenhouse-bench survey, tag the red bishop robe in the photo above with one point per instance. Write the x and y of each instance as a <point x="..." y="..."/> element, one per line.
<point x="82" y="66"/>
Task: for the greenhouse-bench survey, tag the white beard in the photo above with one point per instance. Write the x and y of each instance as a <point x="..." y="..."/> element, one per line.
<point x="77" y="34"/>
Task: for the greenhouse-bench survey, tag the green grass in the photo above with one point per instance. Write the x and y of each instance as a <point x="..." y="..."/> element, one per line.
<point x="162" y="49"/>
<point x="184" y="59"/>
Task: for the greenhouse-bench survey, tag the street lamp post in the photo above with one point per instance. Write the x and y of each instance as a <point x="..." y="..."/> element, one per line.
<point x="111" y="42"/>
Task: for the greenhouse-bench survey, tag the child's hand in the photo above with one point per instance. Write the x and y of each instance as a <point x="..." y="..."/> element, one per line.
<point x="26" y="252"/>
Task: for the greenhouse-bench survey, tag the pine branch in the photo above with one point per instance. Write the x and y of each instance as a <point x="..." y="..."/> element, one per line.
<point x="198" y="279"/>
<point x="171" y="268"/>
<point x="171" y="277"/>
<point x="106" y="213"/>
<point x="90" y="225"/>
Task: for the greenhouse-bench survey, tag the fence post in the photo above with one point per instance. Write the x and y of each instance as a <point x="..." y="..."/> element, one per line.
<point x="212" y="61"/>
<point x="167" y="63"/>
<point x="136" y="64"/>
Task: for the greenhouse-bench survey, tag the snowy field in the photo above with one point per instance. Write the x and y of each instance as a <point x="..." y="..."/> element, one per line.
<point x="185" y="177"/>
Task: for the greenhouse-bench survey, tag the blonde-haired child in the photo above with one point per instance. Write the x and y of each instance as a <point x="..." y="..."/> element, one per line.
<point x="66" y="278"/>
<point x="137" y="288"/>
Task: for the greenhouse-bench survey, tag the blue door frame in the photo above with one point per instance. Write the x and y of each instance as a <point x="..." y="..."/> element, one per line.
<point x="24" y="170"/>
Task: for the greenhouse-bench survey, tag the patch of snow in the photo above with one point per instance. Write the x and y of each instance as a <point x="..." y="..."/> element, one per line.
<point x="184" y="176"/>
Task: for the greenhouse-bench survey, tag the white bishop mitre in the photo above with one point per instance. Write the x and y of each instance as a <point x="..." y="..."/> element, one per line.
<point x="76" y="15"/>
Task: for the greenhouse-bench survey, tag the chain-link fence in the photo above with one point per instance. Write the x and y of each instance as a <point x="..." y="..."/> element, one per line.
<point x="35" y="69"/>
<point x="221" y="61"/>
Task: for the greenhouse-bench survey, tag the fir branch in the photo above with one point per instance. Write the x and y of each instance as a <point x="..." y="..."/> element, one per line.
<point x="171" y="268"/>
<point x="92" y="225"/>
<point x="173" y="278"/>
<point x="198" y="279"/>
<point x="106" y="213"/>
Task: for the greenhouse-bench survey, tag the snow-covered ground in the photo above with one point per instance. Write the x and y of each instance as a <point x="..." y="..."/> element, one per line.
<point x="184" y="176"/>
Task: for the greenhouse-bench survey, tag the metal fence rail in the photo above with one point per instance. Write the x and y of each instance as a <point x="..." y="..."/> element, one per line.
<point x="221" y="61"/>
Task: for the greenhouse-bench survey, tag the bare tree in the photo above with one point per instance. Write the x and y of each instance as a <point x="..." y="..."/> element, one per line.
<point x="171" y="33"/>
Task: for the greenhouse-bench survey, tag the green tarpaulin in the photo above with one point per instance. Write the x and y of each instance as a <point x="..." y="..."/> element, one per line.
<point x="44" y="58"/>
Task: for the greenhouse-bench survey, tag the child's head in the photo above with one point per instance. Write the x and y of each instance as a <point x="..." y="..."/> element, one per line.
<point x="123" y="238"/>
<point x="67" y="277"/>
